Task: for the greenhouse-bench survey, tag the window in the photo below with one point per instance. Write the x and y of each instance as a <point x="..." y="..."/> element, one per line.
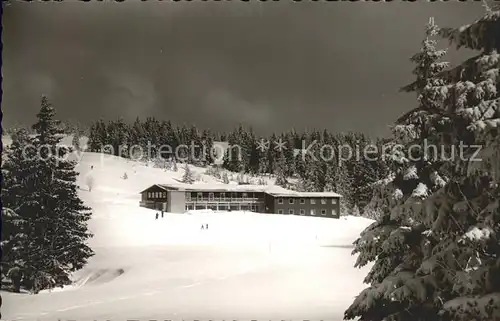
<point x="164" y="194"/>
<point x="323" y="212"/>
<point x="280" y="211"/>
<point x="302" y="201"/>
<point x="313" y="211"/>
<point x="149" y="194"/>
<point x="302" y="211"/>
<point x="291" y="211"/>
<point x="245" y="195"/>
<point x="188" y="196"/>
<point x="291" y="201"/>
<point x="313" y="201"/>
<point x="199" y="195"/>
<point x="334" y="201"/>
<point x="280" y="201"/>
<point x="323" y="201"/>
<point x="211" y="196"/>
<point x="222" y="195"/>
<point x="334" y="212"/>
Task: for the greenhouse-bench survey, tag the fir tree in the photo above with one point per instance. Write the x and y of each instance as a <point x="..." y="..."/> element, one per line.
<point x="137" y="140"/>
<point x="300" y="164"/>
<point x="14" y="243"/>
<point x="18" y="173"/>
<point x="225" y="178"/>
<point x="183" y="153"/>
<point x="466" y="213"/>
<point x="76" y="139"/>
<point x="94" y="143"/>
<point x="40" y="189"/>
<point x="281" y="178"/>
<point x="188" y="177"/>
<point x="398" y="241"/>
<point x="254" y="161"/>
<point x="59" y="231"/>
<point x="262" y="155"/>
<point x="355" y="211"/>
<point x="174" y="165"/>
<point x="118" y="136"/>
<point x="207" y="143"/>
<point x="288" y="156"/>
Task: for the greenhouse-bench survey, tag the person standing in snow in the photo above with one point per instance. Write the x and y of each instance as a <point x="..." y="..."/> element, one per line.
<point x="157" y="215"/>
<point x="162" y="214"/>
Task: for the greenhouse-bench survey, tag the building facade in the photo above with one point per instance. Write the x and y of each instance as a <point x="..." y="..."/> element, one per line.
<point x="178" y="199"/>
<point x="314" y="204"/>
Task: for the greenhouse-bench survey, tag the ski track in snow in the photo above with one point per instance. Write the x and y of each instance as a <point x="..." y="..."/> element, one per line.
<point x="154" y="292"/>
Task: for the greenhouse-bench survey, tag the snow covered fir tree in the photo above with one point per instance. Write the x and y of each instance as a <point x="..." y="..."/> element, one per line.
<point x="45" y="220"/>
<point x="436" y="244"/>
<point x="188" y="177"/>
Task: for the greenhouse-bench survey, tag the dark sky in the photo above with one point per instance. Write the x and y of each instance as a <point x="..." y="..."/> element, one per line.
<point x="272" y="65"/>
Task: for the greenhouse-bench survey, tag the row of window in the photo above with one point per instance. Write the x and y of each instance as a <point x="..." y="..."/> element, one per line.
<point x="303" y="211"/>
<point x="303" y="201"/>
<point x="212" y="196"/>
<point x="157" y="194"/>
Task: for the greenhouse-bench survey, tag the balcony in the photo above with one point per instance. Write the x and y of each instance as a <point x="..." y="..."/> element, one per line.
<point x="226" y="199"/>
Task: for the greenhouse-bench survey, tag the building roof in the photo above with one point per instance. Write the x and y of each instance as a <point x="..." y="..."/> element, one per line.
<point x="162" y="186"/>
<point x="274" y="190"/>
<point x="304" y="194"/>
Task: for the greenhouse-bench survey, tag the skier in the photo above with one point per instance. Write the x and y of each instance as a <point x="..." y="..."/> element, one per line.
<point x="157" y="215"/>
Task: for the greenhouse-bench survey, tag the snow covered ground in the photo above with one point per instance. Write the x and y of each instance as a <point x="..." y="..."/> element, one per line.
<point x="246" y="266"/>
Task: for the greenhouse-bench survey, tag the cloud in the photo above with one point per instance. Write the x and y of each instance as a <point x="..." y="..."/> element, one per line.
<point x="220" y="103"/>
<point x="216" y="64"/>
<point x="129" y="93"/>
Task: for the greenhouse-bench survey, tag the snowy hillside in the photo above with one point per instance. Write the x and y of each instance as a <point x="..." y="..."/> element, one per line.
<point x="259" y="265"/>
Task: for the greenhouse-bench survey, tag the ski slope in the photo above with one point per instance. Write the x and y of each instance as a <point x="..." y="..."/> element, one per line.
<point x="246" y="266"/>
